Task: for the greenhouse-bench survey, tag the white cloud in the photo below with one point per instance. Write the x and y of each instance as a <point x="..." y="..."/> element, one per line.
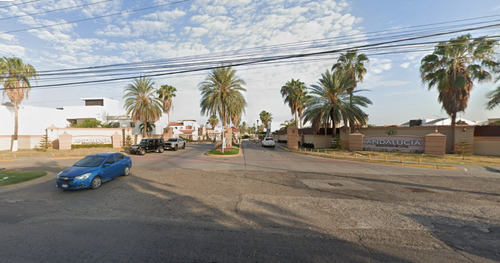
<point x="378" y="65"/>
<point x="405" y="65"/>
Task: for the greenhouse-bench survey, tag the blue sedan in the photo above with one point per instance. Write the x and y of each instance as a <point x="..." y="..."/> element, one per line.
<point x="93" y="170"/>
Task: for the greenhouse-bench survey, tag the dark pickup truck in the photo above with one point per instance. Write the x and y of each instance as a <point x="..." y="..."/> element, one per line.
<point x="175" y="143"/>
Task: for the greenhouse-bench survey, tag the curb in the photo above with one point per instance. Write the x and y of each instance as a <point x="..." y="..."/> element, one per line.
<point x="224" y="156"/>
<point x="67" y="158"/>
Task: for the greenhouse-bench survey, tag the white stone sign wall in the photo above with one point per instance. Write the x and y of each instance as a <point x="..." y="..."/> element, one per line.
<point x="394" y="143"/>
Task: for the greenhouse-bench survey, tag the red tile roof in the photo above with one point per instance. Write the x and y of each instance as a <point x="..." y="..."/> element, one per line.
<point x="175" y="124"/>
<point x="187" y="131"/>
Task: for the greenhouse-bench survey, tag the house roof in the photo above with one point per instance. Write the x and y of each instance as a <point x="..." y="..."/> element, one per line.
<point x="187" y="131"/>
<point x="175" y="124"/>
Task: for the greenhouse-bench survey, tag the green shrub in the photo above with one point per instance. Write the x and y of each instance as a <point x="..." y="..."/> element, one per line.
<point x="337" y="143"/>
<point x="233" y="151"/>
<point x="128" y="141"/>
<point x="391" y="131"/>
<point x="45" y="143"/>
<point x="308" y="145"/>
<point x="79" y="146"/>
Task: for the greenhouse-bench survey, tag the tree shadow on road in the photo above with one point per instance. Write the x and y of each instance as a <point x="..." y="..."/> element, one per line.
<point x="215" y="231"/>
<point x="474" y="237"/>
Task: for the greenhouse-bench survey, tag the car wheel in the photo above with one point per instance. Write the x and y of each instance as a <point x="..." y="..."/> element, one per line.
<point x="126" y="171"/>
<point x="184" y="146"/>
<point x="160" y="149"/>
<point x="176" y="147"/>
<point x="142" y="151"/>
<point x="96" y="182"/>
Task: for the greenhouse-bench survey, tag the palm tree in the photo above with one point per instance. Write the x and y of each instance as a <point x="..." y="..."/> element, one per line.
<point x="16" y="77"/>
<point x="331" y="102"/>
<point x="221" y="88"/>
<point x="266" y="118"/>
<point x="295" y="94"/>
<point x="494" y="96"/>
<point x="353" y="67"/>
<point x="141" y="103"/>
<point x="150" y="127"/>
<point x="166" y="93"/>
<point x="213" y="121"/>
<point x="454" y="66"/>
<point x="243" y="128"/>
<point x="236" y="109"/>
<point x="286" y="124"/>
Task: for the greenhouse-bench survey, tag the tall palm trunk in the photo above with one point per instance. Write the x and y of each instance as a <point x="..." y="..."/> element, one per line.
<point x="300" y="120"/>
<point x="16" y="127"/>
<point x="145" y="129"/>
<point x="223" y="144"/>
<point x="297" y="121"/>
<point x="453" y="123"/>
<point x="351" y="90"/>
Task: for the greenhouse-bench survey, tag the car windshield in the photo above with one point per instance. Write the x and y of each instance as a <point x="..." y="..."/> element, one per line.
<point x="172" y="140"/>
<point x="90" y="161"/>
<point x="269" y="139"/>
<point x="144" y="141"/>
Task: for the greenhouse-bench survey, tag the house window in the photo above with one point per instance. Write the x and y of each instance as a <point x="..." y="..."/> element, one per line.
<point x="99" y="102"/>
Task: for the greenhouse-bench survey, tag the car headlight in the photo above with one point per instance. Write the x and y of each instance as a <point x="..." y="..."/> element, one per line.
<point x="83" y="176"/>
<point x="57" y="176"/>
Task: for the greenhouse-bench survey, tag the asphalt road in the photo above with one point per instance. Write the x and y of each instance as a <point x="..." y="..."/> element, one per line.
<point x="267" y="205"/>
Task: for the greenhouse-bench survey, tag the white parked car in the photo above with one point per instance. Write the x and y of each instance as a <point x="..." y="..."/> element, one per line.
<point x="268" y="142"/>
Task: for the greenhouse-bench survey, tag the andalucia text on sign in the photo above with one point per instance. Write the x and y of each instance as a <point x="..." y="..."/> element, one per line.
<point x="394" y="143"/>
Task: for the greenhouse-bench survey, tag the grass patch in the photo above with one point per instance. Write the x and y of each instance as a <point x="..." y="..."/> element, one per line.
<point x="7" y="154"/>
<point x="8" y="177"/>
<point x="227" y="151"/>
<point x="448" y="159"/>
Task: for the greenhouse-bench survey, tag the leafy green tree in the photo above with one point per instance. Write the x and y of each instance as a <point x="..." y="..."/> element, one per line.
<point x="352" y="66"/>
<point x="166" y="93"/>
<point x="295" y="95"/>
<point x="331" y="102"/>
<point x="266" y="118"/>
<point x="221" y="88"/>
<point x="16" y="77"/>
<point x="45" y="143"/>
<point x="454" y="66"/>
<point x="141" y="103"/>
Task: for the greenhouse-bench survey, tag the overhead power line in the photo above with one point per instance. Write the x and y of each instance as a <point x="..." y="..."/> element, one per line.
<point x="208" y="65"/>
<point x="93" y="18"/>
<point x="53" y="10"/>
<point x="372" y="43"/>
<point x="23" y="3"/>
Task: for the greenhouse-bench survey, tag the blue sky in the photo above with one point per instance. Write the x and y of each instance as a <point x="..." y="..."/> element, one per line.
<point x="210" y="30"/>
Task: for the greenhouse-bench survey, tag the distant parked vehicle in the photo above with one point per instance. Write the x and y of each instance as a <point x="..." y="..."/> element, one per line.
<point x="93" y="170"/>
<point x="268" y="142"/>
<point x="175" y="144"/>
<point x="148" y="145"/>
